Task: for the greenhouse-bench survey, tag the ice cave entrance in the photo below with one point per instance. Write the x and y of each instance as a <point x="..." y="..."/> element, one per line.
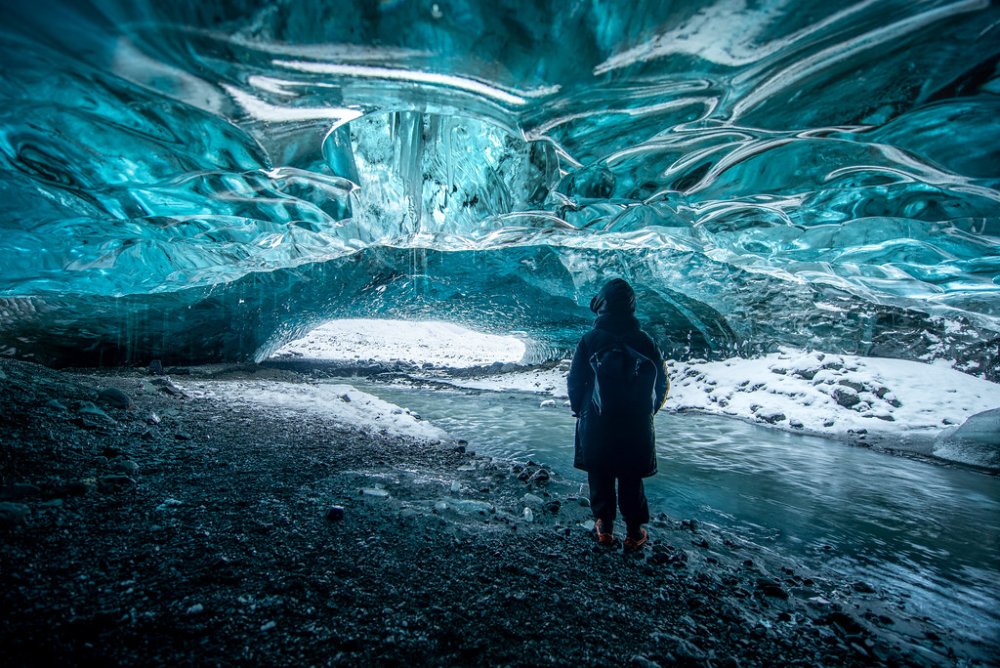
<point x="429" y="342"/>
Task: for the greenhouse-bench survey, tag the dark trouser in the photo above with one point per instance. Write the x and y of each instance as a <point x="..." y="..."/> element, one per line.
<point x="631" y="499"/>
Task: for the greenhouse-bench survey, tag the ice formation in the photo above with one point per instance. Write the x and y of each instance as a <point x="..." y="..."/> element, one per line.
<point x="207" y="180"/>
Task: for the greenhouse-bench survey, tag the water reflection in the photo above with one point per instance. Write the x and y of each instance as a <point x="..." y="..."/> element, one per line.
<point x="929" y="531"/>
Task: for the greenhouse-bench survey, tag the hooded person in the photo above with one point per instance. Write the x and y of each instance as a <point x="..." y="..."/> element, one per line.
<point x="617" y="444"/>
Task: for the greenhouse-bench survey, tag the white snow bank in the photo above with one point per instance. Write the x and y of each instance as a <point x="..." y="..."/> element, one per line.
<point x="425" y="342"/>
<point x="342" y="404"/>
<point x="807" y="391"/>
<point x="834" y="394"/>
<point x="539" y="381"/>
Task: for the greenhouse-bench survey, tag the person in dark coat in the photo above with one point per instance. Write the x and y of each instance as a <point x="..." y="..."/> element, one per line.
<point x="618" y="447"/>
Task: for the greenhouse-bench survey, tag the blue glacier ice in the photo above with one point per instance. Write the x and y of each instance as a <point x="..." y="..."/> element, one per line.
<point x="204" y="180"/>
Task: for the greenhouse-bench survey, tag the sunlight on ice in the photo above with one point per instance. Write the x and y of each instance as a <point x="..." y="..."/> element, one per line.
<point x="415" y="342"/>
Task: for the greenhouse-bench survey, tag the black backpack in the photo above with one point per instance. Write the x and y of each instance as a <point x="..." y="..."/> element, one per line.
<point x="624" y="381"/>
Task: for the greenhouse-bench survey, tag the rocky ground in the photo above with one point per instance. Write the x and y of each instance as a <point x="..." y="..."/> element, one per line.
<point x="140" y="525"/>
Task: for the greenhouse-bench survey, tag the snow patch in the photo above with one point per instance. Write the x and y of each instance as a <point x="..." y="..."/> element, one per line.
<point x="339" y="403"/>
<point x="833" y="394"/>
<point x="424" y="342"/>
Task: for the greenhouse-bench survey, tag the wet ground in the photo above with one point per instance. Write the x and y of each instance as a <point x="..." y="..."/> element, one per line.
<point x="143" y="525"/>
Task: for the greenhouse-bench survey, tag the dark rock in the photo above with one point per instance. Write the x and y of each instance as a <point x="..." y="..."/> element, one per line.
<point x="126" y="466"/>
<point x="167" y="386"/>
<point x="857" y="387"/>
<point x="114" y="397"/>
<point x="806" y="374"/>
<point x="75" y="488"/>
<point x="88" y="409"/>
<point x="183" y="436"/>
<point x="553" y="506"/>
<point x="540" y="477"/>
<point x="639" y="661"/>
<point x="769" y="587"/>
<point x="863" y="587"/>
<point x="771" y="418"/>
<point x="845" y="398"/>
<point x="842" y="621"/>
<point x="156" y="368"/>
<point x="12" y="514"/>
<point x="19" y="491"/>
<point x="335" y="513"/>
<point x="115" y="483"/>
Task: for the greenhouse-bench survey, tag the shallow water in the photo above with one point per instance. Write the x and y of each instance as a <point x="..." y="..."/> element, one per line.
<point x="927" y="532"/>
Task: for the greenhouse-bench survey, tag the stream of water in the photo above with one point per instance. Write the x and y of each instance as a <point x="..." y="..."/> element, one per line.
<point x="927" y="531"/>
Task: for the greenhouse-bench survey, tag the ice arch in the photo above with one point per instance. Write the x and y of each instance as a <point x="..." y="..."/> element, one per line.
<point x="207" y="180"/>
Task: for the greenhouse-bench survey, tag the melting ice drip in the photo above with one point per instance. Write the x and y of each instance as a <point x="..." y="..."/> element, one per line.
<point x="207" y="180"/>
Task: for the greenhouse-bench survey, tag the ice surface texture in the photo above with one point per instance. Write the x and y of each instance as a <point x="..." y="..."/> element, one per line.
<point x="205" y="180"/>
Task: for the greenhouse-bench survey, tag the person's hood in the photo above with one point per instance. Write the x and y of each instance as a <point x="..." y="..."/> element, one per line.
<point x="617" y="296"/>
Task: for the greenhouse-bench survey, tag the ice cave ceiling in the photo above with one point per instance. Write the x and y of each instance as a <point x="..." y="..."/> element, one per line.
<point x="202" y="180"/>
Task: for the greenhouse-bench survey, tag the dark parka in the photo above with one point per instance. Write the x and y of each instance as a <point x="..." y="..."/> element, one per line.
<point x="624" y="447"/>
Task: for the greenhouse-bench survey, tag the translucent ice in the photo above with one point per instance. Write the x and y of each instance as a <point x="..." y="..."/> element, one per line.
<point x="205" y="180"/>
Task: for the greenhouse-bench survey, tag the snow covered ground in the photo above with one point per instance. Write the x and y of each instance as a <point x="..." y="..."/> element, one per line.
<point x="897" y="401"/>
<point x="416" y="342"/>
<point x="338" y="403"/>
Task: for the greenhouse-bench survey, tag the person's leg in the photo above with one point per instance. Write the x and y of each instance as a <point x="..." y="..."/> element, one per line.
<point x="633" y="504"/>
<point x="602" y="498"/>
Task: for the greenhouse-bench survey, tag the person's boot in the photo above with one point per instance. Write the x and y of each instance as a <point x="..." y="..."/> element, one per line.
<point x="604" y="532"/>
<point x="635" y="538"/>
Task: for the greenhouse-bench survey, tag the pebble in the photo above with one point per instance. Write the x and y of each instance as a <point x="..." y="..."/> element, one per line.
<point x="182" y="436"/>
<point x="167" y="386"/>
<point x="528" y="515"/>
<point x="114" y="397"/>
<point x="335" y="513"/>
<point x="196" y="609"/>
<point x="532" y="499"/>
<point x="56" y="405"/>
<point x="88" y="408"/>
<point x="114" y="483"/>
<point x="268" y="626"/>
<point x="74" y="488"/>
<point x="769" y="587"/>
<point x="12" y="514"/>
<point x="863" y="587"/>
<point x="19" y="490"/>
<point x="540" y="477"/>
<point x="126" y="466"/>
